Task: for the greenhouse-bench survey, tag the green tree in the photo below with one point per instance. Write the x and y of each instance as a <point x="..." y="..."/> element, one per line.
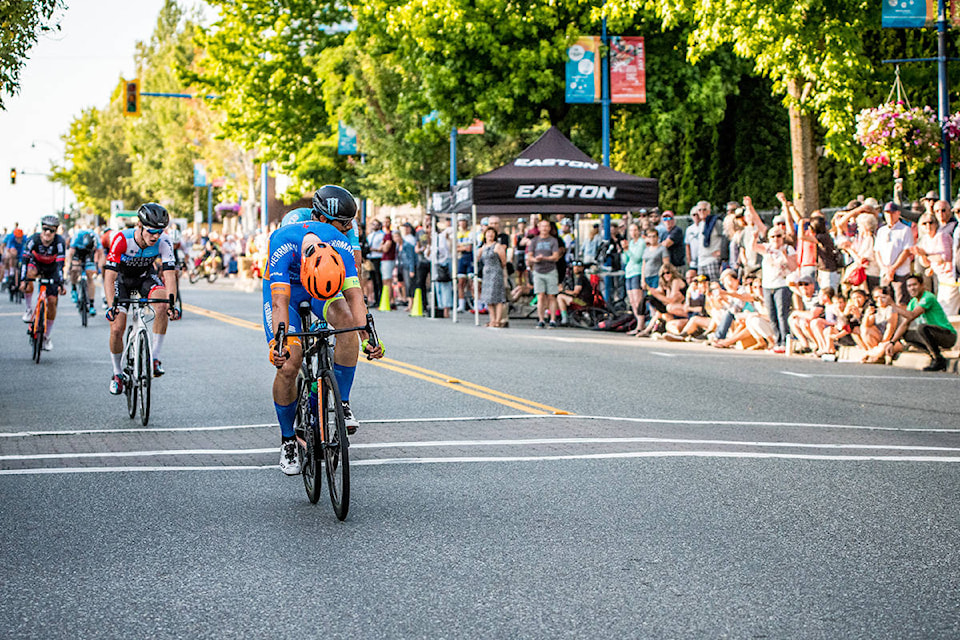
<point x="21" y="23"/>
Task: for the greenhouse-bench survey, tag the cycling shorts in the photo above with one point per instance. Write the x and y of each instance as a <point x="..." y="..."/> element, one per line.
<point x="85" y="260"/>
<point x="145" y="285"/>
<point x="297" y="295"/>
<point x="51" y="272"/>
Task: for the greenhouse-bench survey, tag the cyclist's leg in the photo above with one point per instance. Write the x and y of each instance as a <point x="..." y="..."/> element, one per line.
<point x="285" y="380"/>
<point x="152" y="287"/>
<point x="90" y="267"/>
<point x="53" y="296"/>
<point x="117" y="326"/>
<point x="28" y="286"/>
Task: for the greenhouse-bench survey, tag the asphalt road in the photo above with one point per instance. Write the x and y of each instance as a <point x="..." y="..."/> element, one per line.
<point x="514" y="483"/>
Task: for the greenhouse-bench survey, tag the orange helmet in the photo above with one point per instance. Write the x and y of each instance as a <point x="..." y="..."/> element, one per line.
<point x="18" y="233"/>
<point x="321" y="270"/>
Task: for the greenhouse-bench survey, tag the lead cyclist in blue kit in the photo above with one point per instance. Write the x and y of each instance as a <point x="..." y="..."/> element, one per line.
<point x="306" y="262"/>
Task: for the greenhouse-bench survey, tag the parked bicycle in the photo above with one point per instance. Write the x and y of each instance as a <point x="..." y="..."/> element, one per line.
<point x="37" y="328"/>
<point x="137" y="358"/>
<point x="320" y="427"/>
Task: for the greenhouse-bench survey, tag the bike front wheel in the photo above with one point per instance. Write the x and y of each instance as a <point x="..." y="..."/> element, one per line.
<point x="308" y="439"/>
<point x="144" y="376"/>
<point x="333" y="433"/>
<point x="84" y="303"/>
<point x="129" y="374"/>
<point x="39" y="329"/>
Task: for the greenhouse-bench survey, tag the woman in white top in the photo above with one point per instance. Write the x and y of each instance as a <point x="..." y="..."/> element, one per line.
<point x="934" y="251"/>
<point x="861" y="251"/>
<point x="779" y="259"/>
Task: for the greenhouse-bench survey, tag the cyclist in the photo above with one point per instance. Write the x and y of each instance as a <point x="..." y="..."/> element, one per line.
<point x="314" y="261"/>
<point x="43" y="257"/>
<point x="12" y="250"/>
<point x="83" y="255"/>
<point x="130" y="267"/>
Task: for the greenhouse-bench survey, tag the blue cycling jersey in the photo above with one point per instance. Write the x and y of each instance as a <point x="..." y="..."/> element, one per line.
<point x="79" y="239"/>
<point x="10" y="242"/>
<point x="283" y="266"/>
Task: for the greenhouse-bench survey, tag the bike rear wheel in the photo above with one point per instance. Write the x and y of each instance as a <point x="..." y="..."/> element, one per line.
<point x="333" y="431"/>
<point x="84" y="303"/>
<point x="144" y="377"/>
<point x="308" y="440"/>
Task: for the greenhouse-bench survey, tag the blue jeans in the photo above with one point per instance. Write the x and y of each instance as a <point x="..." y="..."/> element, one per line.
<point x="724" y="325"/>
<point x="777" y="302"/>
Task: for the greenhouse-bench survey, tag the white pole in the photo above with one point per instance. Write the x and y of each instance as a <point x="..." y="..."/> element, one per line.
<point x="476" y="272"/>
<point x="454" y="263"/>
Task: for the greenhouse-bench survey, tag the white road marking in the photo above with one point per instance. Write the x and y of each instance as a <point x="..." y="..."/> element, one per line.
<point x="664" y="354"/>
<point x="485" y="443"/>
<point x="390" y="421"/>
<point x="451" y="460"/>
<point x="917" y="378"/>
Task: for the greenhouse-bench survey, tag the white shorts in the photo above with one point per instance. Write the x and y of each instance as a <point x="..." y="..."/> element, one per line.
<point x="547" y="283"/>
<point x="386" y="269"/>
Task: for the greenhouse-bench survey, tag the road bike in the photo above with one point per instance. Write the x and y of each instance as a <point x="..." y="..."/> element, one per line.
<point x="37" y="328"/>
<point x="208" y="268"/>
<point x="137" y="356"/>
<point x="13" y="285"/>
<point x="319" y="425"/>
<point x="83" y="300"/>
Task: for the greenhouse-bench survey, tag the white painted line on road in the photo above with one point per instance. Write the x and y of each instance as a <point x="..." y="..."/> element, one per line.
<point x="486" y="443"/>
<point x="664" y="354"/>
<point x="589" y="456"/>
<point x="392" y="421"/>
<point x="80" y="432"/>
<point x="918" y="378"/>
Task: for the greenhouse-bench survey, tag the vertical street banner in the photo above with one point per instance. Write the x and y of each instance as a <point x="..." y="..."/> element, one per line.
<point x="628" y="75"/>
<point x="346" y="140"/>
<point x="906" y="14"/>
<point x="583" y="71"/>
<point x="199" y="175"/>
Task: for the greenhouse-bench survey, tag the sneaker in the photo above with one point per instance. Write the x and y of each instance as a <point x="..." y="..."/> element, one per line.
<point x="552" y="325"/>
<point x="47" y="344"/>
<point x="348" y="418"/>
<point x="157" y="368"/>
<point x="289" y="458"/>
<point x="27" y="315"/>
<point x="540" y="325"/>
<point x="73" y="296"/>
<point x="937" y="364"/>
<point x="779" y="349"/>
<point x="116" y="385"/>
<point x="93" y="311"/>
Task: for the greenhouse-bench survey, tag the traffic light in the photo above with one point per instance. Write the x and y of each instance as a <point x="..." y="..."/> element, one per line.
<point x="131" y="97"/>
<point x="13" y="175"/>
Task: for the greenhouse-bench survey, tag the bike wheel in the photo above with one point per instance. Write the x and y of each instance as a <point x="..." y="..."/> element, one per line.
<point x="129" y="375"/>
<point x="39" y="329"/>
<point x="144" y="377"/>
<point x="193" y="276"/>
<point x="212" y="277"/>
<point x="333" y="432"/>
<point x="84" y="304"/>
<point x="308" y="440"/>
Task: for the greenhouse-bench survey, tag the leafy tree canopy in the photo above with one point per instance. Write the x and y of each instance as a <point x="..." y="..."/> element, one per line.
<point x="21" y="23"/>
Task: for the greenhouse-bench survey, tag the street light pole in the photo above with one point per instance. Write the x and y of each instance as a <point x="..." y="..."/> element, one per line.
<point x="943" y="111"/>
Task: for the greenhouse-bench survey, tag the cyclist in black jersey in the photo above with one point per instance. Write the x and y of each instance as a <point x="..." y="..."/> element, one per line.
<point x="43" y="257"/>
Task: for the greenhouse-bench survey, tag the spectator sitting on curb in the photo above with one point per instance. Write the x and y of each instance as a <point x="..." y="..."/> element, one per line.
<point x="734" y="300"/>
<point x="934" y="334"/>
<point x="824" y="328"/>
<point x="805" y="310"/>
<point x="666" y="300"/>
<point x="852" y="318"/>
<point x="576" y="293"/>
<point x="934" y="252"/>
<point x="698" y="320"/>
<point x="879" y="326"/>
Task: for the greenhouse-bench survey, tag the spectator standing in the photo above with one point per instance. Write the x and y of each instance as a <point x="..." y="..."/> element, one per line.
<point x="828" y="258"/>
<point x="543" y="253"/>
<point x="711" y="241"/>
<point x="633" y="249"/>
<point x="672" y="239"/>
<point x="779" y="259"/>
<point x="691" y="238"/>
<point x="375" y="239"/>
<point x="388" y="262"/>
<point x="588" y="253"/>
<point x="442" y="264"/>
<point x="465" y="242"/>
<point x="861" y="250"/>
<point x="892" y="249"/>
<point x="934" y="252"/>
<point x="492" y="258"/>
<point x="933" y="334"/>
<point x="407" y="261"/>
<point x="753" y="230"/>
<point x="948" y="224"/>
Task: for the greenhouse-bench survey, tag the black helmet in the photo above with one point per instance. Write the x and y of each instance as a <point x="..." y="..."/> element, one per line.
<point x="50" y="221"/>
<point x="334" y="203"/>
<point x="154" y="216"/>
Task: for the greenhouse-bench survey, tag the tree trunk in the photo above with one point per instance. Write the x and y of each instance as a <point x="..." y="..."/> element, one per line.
<point x="803" y="153"/>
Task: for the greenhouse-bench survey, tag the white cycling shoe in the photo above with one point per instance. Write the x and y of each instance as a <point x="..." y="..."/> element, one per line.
<point x="289" y="458"/>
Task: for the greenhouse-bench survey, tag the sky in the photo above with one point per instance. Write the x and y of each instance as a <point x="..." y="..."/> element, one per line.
<point x="67" y="71"/>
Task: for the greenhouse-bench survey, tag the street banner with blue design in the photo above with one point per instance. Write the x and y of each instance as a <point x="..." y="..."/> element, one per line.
<point x="583" y="71"/>
<point x="905" y="14"/>
<point x="347" y="140"/>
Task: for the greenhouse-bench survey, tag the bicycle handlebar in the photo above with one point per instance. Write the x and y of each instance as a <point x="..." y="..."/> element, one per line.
<point x="282" y="334"/>
<point x="118" y="301"/>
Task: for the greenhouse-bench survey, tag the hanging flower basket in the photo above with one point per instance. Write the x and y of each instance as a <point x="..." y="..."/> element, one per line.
<point x="893" y="134"/>
<point x="952" y="128"/>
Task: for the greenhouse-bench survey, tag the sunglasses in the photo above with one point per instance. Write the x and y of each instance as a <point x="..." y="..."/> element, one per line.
<point x="781" y="224"/>
<point x="926" y="223"/>
<point x="50" y="229"/>
<point x="153" y="232"/>
<point x="776" y="235"/>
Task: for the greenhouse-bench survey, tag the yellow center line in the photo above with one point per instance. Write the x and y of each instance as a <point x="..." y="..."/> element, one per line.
<point x="435" y="377"/>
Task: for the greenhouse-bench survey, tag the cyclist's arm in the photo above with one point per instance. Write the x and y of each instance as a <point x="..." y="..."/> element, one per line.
<point x="109" y="282"/>
<point x="280" y="303"/>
